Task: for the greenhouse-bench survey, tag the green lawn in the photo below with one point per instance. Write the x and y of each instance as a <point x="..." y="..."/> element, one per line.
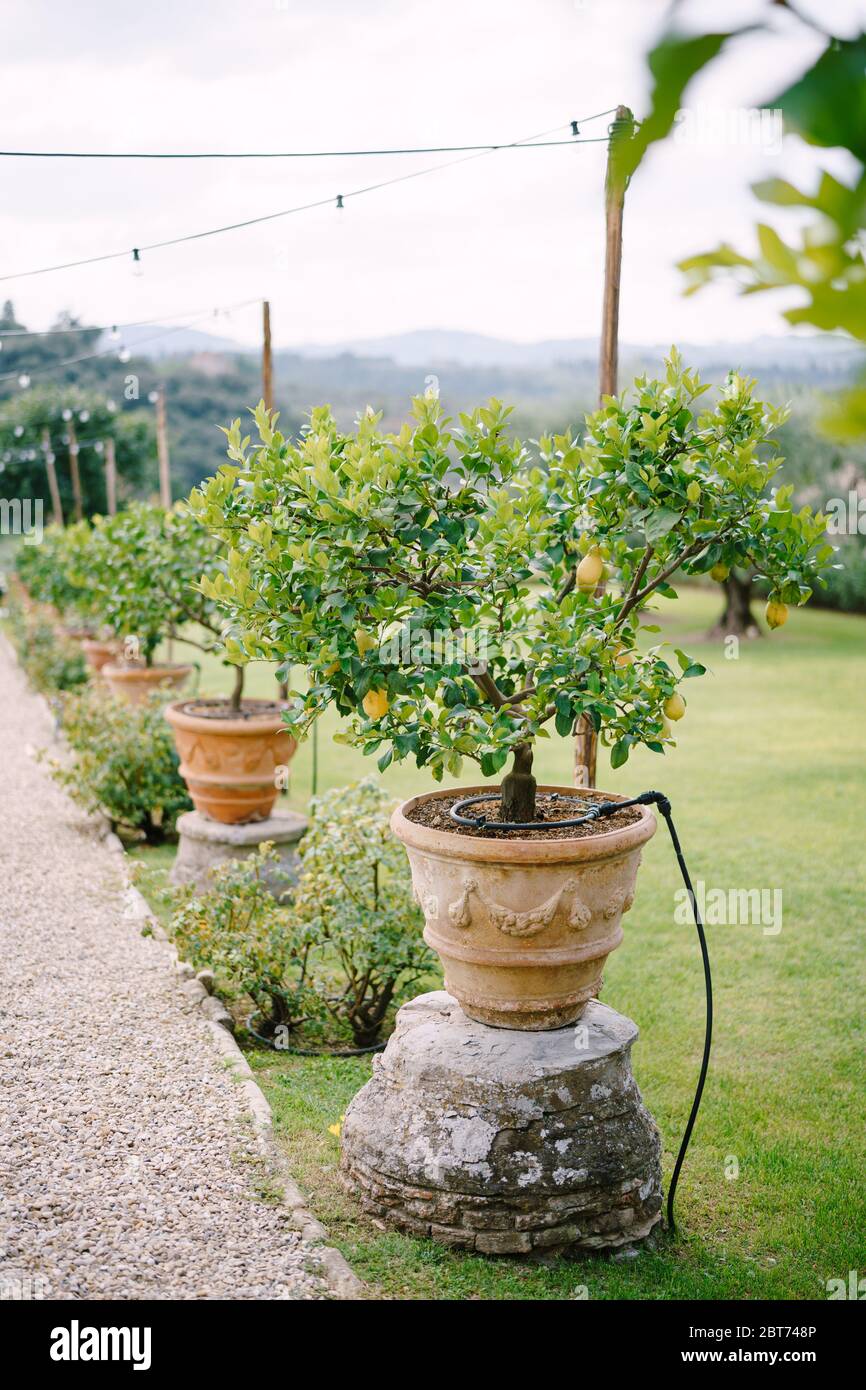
<point x="768" y="790"/>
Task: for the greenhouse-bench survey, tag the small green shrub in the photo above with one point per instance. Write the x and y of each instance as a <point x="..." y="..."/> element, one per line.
<point x="51" y="661"/>
<point x="333" y="964"/>
<point x="355" y="899"/>
<point x="253" y="945"/>
<point x="124" y="763"/>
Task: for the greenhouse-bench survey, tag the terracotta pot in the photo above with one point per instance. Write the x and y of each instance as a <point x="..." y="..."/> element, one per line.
<point x="97" y="654"/>
<point x="523" y="927"/>
<point x="230" y="765"/>
<point x="135" y="683"/>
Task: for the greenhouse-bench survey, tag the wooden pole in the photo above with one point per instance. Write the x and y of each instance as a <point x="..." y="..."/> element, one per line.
<point x="162" y="450"/>
<point x="586" y="740"/>
<point x="268" y="398"/>
<point x="614" y="200"/>
<point x="110" y="477"/>
<point x="267" y="357"/>
<point x="74" y="471"/>
<point x="54" y="490"/>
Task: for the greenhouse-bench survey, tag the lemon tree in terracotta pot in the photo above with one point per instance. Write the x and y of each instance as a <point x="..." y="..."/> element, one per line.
<point x="126" y="562"/>
<point x="148" y="562"/>
<point x="233" y="749"/>
<point x="443" y="586"/>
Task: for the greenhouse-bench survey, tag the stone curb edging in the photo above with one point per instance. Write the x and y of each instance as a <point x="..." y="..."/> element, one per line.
<point x="344" y="1282"/>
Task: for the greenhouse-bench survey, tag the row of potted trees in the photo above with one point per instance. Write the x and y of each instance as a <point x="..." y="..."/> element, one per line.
<point x="456" y="595"/>
<point x="124" y="586"/>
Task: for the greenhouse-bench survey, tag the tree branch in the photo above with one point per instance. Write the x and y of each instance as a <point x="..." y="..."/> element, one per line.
<point x="634" y="587"/>
<point x="487" y="685"/>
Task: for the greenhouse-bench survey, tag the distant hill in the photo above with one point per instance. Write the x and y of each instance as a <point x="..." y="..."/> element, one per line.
<point x="163" y="340"/>
<point x="791" y="356"/>
<point x="209" y="379"/>
<point x="440" y="347"/>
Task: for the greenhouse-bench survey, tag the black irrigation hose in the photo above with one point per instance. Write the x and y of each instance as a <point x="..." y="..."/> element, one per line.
<point x="598" y="811"/>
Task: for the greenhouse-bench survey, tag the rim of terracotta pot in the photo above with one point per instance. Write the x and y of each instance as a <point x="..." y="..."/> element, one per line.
<point x="264" y="722"/>
<point x="144" y="673"/>
<point x="551" y="850"/>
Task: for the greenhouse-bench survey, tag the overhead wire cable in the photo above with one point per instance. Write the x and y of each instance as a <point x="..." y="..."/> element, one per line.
<point x="136" y="251"/>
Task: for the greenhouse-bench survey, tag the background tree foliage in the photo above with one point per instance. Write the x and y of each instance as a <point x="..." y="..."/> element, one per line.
<point x="24" y="421"/>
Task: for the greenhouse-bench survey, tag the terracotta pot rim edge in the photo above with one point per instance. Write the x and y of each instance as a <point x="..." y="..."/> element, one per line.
<point x="143" y="672"/>
<point x="232" y="727"/>
<point x="475" y="848"/>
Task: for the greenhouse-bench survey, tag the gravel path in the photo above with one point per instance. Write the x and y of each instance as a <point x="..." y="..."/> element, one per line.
<point x="127" y="1158"/>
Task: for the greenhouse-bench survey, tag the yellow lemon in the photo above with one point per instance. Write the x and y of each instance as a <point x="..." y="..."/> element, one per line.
<point x="376" y="704"/>
<point x="776" y="613"/>
<point x="589" y="572"/>
<point x="363" y="641"/>
<point x="624" y="657"/>
<point x="666" y="728"/>
<point x="674" y="706"/>
<point x="720" y="573"/>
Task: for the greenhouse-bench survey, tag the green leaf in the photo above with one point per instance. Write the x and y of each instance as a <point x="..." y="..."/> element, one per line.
<point x="659" y="523"/>
<point x="827" y="106"/>
<point x="619" y="753"/>
<point x="673" y="63"/>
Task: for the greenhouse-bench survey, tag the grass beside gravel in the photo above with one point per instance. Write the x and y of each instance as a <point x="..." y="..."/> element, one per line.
<point x="769" y="791"/>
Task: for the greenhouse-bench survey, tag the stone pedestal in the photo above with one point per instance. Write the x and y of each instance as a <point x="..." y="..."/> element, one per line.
<point x="205" y="843"/>
<point x="505" y="1142"/>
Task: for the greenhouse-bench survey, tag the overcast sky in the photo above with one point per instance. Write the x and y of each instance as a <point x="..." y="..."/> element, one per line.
<point x="508" y="244"/>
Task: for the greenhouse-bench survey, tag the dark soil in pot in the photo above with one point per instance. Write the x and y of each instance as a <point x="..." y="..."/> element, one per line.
<point x="222" y="709"/>
<point x="435" y="814"/>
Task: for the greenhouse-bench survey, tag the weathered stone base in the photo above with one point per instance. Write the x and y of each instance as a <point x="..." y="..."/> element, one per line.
<point x="505" y="1142"/>
<point x="205" y="843"/>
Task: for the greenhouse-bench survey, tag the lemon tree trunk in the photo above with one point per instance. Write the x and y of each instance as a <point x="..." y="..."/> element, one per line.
<point x="737" y="618"/>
